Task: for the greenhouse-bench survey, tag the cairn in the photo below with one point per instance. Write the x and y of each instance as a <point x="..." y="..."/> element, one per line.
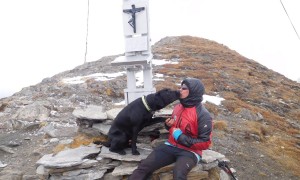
<point x="94" y="161"/>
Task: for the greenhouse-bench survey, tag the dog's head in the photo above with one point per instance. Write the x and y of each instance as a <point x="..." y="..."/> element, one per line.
<point x="162" y="98"/>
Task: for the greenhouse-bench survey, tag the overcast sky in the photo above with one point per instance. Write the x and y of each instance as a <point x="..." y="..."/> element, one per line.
<point x="40" y="38"/>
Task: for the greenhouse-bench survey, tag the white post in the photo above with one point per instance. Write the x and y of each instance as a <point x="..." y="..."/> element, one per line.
<point x="147" y="74"/>
<point x="137" y="48"/>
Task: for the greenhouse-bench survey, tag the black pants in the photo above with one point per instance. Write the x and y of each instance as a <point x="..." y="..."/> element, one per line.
<point x="162" y="156"/>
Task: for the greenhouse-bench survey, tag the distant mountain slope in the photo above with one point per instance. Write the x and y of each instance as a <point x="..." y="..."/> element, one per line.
<point x="232" y="75"/>
<point x="244" y="83"/>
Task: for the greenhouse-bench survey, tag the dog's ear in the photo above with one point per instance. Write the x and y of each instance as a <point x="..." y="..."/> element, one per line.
<point x="165" y="90"/>
<point x="177" y="93"/>
<point x="159" y="103"/>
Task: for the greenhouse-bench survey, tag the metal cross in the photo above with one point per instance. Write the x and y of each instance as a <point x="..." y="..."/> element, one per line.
<point x="132" y="11"/>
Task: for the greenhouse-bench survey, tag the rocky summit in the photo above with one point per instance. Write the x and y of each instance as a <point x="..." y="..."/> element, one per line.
<point x="54" y="129"/>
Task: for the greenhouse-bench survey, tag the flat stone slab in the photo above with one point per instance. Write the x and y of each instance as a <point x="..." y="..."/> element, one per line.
<point x="68" y="158"/>
<point x="123" y="170"/>
<point x="105" y="153"/>
<point x="102" y="128"/>
<point x="87" y="163"/>
<point x="209" y="156"/>
<point x="90" y="112"/>
<point x="85" y="174"/>
<point x="112" y="114"/>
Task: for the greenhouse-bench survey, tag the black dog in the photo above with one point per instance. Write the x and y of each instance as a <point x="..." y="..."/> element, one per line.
<point x="134" y="117"/>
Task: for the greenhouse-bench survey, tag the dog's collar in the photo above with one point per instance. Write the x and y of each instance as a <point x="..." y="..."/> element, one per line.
<point x="146" y="104"/>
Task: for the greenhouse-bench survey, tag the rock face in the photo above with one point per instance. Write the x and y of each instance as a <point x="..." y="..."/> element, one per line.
<point x="256" y="123"/>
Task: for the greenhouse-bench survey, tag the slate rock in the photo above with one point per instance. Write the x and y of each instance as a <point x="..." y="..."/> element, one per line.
<point x="91" y="112"/>
<point x="209" y="156"/>
<point x="68" y="158"/>
<point x="105" y="153"/>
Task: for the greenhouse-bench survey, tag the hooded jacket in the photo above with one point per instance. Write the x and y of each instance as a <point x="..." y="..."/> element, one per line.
<point x="193" y="119"/>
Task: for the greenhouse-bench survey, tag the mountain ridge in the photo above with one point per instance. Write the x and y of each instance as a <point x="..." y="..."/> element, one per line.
<point x="261" y="107"/>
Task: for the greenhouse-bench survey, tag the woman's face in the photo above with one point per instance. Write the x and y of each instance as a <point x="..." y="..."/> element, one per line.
<point x="184" y="91"/>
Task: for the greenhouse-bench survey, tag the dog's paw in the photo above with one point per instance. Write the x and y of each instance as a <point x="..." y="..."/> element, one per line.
<point x="135" y="152"/>
<point x="121" y="152"/>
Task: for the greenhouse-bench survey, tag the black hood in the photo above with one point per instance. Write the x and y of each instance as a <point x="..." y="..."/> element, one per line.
<point x="196" y="91"/>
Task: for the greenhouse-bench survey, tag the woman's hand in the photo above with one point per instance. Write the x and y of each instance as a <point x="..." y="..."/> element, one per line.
<point x="169" y="122"/>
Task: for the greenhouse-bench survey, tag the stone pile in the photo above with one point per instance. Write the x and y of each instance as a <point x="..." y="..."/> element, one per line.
<point x="97" y="162"/>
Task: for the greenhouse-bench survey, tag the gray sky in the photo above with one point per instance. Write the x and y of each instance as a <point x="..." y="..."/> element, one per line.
<point x="40" y="38"/>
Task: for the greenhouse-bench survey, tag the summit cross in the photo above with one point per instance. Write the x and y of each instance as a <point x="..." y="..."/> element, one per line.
<point x="132" y="11"/>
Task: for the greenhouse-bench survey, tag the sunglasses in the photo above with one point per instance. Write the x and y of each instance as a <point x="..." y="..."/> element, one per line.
<point x="183" y="88"/>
